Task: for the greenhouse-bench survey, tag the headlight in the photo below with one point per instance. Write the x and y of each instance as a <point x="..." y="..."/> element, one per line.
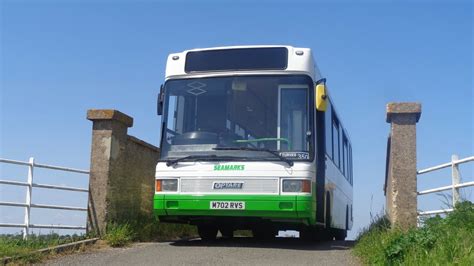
<point x="297" y="186"/>
<point x="166" y="185"/>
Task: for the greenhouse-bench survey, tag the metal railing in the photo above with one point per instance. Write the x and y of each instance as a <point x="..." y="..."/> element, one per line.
<point x="455" y="186"/>
<point x="30" y="185"/>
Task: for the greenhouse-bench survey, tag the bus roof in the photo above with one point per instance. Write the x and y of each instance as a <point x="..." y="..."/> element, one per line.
<point x="299" y="61"/>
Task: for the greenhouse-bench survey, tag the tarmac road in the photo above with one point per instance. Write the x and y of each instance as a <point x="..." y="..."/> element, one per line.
<point x="236" y="251"/>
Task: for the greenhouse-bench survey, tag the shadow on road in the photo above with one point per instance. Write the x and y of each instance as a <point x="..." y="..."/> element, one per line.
<point x="278" y="243"/>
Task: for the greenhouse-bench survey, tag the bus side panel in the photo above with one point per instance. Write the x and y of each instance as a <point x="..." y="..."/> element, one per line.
<point x="341" y="195"/>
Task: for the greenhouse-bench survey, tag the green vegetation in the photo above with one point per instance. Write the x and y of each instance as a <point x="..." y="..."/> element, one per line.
<point x="119" y="235"/>
<point x="22" y="250"/>
<point x="146" y="229"/>
<point x="441" y="241"/>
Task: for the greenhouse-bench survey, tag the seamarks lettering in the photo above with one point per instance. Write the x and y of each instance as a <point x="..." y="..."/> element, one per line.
<point x="231" y="167"/>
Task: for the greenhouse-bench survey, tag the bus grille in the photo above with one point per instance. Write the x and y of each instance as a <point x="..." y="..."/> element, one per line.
<point x="250" y="186"/>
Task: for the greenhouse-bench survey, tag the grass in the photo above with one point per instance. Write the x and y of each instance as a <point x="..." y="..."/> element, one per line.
<point x="22" y="250"/>
<point x="144" y="229"/>
<point x="441" y="241"/>
<point x="118" y="235"/>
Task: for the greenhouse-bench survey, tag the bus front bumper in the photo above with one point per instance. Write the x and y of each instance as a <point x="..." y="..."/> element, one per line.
<point x="294" y="207"/>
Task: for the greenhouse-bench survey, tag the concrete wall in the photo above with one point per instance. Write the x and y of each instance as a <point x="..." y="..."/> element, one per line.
<point x="401" y="182"/>
<point x="122" y="172"/>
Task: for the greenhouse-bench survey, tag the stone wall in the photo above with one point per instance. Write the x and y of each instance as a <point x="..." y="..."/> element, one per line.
<point x="401" y="181"/>
<point x="122" y="172"/>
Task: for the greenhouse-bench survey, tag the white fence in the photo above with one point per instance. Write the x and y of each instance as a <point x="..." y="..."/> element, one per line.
<point x="455" y="186"/>
<point x="30" y="184"/>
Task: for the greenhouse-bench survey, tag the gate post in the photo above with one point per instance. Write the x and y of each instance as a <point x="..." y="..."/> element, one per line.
<point x="456" y="179"/>
<point x="401" y="180"/>
<point x="109" y="132"/>
<point x="122" y="174"/>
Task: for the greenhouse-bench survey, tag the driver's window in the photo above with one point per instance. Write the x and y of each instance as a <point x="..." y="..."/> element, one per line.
<point x="171" y="111"/>
<point x="293" y="121"/>
<point x="175" y="120"/>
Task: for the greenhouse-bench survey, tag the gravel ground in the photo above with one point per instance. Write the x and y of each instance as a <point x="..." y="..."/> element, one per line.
<point x="237" y="251"/>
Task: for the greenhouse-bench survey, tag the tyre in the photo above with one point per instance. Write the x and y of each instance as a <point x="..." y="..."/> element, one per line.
<point x="328" y="234"/>
<point x="315" y="234"/>
<point x="341" y="234"/>
<point x="308" y="233"/>
<point x="263" y="233"/>
<point x="207" y="232"/>
<point x="227" y="232"/>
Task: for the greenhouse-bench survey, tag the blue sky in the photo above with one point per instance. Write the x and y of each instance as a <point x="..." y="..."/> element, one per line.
<point x="60" y="58"/>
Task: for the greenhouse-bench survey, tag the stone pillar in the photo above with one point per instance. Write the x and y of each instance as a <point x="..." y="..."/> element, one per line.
<point x="122" y="172"/>
<point x="109" y="134"/>
<point x="401" y="184"/>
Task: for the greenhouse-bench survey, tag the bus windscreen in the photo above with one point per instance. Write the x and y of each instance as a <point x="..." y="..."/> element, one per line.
<point x="237" y="59"/>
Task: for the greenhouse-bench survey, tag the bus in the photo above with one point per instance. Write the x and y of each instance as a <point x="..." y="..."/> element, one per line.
<point x="251" y="140"/>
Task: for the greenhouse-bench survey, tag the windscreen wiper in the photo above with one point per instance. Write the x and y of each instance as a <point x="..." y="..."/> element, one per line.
<point x="275" y="153"/>
<point x="212" y="157"/>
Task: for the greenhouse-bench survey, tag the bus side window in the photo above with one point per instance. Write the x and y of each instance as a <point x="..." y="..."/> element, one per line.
<point x="350" y="159"/>
<point x="335" y="139"/>
<point x="348" y="167"/>
<point x="341" y="153"/>
<point x="328" y="130"/>
<point x="346" y="158"/>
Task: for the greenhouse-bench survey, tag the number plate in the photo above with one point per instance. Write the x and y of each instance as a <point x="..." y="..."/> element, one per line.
<point x="228" y="205"/>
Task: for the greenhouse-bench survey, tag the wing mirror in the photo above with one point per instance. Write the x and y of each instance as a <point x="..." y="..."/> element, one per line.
<point x="321" y="96"/>
<point x="161" y="96"/>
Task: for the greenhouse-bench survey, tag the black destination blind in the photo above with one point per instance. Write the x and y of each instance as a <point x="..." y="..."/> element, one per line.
<point x="237" y="59"/>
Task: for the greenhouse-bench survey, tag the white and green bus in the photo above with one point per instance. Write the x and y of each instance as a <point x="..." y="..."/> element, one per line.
<point x="251" y="140"/>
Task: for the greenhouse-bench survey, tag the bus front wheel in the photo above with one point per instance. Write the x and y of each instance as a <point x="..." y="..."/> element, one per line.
<point x="207" y="232"/>
<point x="227" y="232"/>
<point x="263" y="233"/>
